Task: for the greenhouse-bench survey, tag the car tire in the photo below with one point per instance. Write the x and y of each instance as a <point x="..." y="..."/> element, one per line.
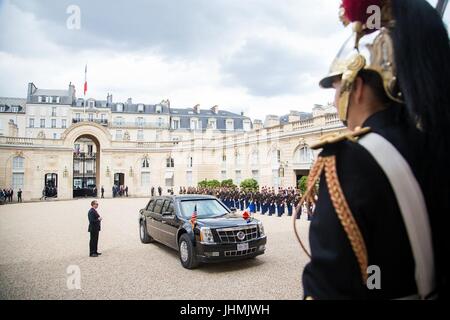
<point x="188" y="257"/>
<point x="143" y="233"/>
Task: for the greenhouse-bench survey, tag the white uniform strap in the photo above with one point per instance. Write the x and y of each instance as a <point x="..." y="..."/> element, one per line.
<point x="412" y="206"/>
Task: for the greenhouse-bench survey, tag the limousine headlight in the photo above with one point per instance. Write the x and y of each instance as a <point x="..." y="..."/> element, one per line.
<point x="261" y="229"/>
<point x="206" y="235"/>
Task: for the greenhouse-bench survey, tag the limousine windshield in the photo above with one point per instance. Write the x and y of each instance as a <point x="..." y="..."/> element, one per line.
<point x="206" y="208"/>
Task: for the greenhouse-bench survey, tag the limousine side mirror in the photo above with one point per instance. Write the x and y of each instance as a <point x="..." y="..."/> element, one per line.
<point x="233" y="209"/>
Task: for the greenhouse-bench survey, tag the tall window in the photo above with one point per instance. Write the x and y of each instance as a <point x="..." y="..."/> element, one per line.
<point x="145" y="179"/>
<point x="175" y="124"/>
<point x="190" y="162"/>
<point x="119" y="135"/>
<point x="119" y="121"/>
<point x="140" y="135"/>
<point x="305" y="155"/>
<point x="53" y="123"/>
<point x="18" y="173"/>
<point x="18" y="163"/>
<point x="63" y="123"/>
<point x="189" y="178"/>
<point x="91" y="116"/>
<point x="170" y="163"/>
<point x="78" y="116"/>
<point x="140" y="121"/>
<point x="42" y="123"/>
<point x="145" y="163"/>
<point x="238" y="177"/>
<point x="255" y="175"/>
<point x="31" y="122"/>
<point x="53" y="111"/>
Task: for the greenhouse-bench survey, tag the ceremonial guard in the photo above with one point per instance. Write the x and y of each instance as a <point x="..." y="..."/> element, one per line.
<point x="383" y="201"/>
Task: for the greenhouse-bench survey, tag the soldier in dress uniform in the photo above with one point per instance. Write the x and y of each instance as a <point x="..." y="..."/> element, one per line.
<point x="383" y="197"/>
<point x="289" y="205"/>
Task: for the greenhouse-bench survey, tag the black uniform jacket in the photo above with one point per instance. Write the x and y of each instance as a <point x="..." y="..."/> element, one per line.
<point x="94" y="223"/>
<point x="333" y="272"/>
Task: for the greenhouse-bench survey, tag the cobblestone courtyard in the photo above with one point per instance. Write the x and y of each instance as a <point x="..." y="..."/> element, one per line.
<point x="39" y="241"/>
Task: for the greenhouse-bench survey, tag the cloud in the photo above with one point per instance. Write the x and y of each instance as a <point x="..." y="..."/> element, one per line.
<point x="249" y="56"/>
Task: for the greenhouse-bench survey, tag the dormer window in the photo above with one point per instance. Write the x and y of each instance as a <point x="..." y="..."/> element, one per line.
<point x="40" y="99"/>
<point x="247" y="125"/>
<point x="230" y="124"/>
<point x="158" y="109"/>
<point x="91" y="104"/>
<point x="212" y="124"/>
<point x="2" y="108"/>
<point x="48" y="99"/>
<point x="140" y="108"/>
<point x="58" y="99"/>
<point x="15" y="109"/>
<point x="119" y="107"/>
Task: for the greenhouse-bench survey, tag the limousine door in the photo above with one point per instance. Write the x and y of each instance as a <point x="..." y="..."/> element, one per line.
<point x="169" y="224"/>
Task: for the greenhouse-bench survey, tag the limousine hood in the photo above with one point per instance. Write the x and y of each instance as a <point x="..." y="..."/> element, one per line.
<point x="226" y="221"/>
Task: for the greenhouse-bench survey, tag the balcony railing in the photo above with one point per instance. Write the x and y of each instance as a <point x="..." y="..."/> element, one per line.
<point x="84" y="155"/>
<point x="143" y="125"/>
<point x="103" y="122"/>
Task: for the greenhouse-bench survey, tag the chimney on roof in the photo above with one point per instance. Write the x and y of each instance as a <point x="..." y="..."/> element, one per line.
<point x="197" y="108"/>
<point x="242" y="113"/>
<point x="109" y="99"/>
<point x="215" y="109"/>
<point x="130" y="101"/>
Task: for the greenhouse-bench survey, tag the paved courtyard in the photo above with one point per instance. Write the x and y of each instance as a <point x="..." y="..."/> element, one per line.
<point x="39" y="241"/>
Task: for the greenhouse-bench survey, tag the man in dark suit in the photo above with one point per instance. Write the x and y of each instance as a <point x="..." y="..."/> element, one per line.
<point x="94" y="228"/>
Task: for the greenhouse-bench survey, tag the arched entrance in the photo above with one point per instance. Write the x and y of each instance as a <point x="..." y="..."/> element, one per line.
<point x="51" y="185"/>
<point x="86" y="166"/>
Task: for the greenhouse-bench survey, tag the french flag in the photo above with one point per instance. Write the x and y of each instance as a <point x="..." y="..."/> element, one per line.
<point x="85" y="80"/>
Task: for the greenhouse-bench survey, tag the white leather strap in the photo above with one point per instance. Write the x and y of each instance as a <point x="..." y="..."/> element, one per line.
<point x="412" y="206"/>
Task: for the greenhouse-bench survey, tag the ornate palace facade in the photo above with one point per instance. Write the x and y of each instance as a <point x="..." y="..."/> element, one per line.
<point x="51" y="139"/>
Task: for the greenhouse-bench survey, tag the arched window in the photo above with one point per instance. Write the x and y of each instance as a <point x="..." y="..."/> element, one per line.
<point x="145" y="163"/>
<point x="304" y="155"/>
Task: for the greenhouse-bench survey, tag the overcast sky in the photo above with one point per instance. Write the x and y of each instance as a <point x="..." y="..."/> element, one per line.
<point x="257" y="56"/>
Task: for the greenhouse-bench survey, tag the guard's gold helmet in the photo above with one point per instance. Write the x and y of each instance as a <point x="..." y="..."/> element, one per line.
<point x="369" y="48"/>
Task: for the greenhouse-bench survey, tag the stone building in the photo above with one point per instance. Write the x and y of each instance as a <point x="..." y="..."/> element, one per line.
<point x="52" y="139"/>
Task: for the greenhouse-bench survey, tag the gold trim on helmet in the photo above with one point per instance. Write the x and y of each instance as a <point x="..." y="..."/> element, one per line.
<point x="374" y="52"/>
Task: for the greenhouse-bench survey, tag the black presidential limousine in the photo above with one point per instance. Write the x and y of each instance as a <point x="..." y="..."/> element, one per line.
<point x="217" y="234"/>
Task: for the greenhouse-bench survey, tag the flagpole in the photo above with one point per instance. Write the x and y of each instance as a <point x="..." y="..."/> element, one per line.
<point x="84" y="90"/>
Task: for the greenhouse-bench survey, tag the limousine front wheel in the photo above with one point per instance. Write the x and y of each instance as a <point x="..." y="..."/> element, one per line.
<point x="143" y="233"/>
<point x="187" y="252"/>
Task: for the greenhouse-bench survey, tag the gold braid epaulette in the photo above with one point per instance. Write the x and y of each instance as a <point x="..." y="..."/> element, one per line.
<point x="345" y="215"/>
<point x="341" y="207"/>
<point x="333" y="138"/>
